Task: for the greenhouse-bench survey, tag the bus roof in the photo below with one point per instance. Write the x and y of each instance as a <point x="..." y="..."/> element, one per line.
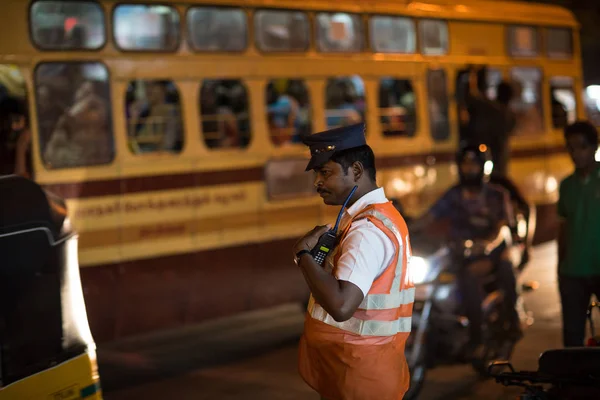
<point x="475" y="10"/>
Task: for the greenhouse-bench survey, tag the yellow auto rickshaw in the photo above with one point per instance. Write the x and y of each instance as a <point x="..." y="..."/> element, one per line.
<point x="46" y="347"/>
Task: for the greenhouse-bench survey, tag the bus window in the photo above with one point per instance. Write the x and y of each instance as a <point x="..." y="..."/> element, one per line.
<point x="288" y="111"/>
<point x="563" y="101"/>
<point x="494" y="78"/>
<point x="146" y="28"/>
<point x="67" y="25"/>
<point x="397" y="110"/>
<point x="559" y="42"/>
<point x="392" y="34"/>
<point x="438" y="104"/>
<point x="527" y="101"/>
<point x="74" y="114"/>
<point x="523" y="41"/>
<point x="217" y="29"/>
<point x="287" y="179"/>
<point x="278" y="30"/>
<point x="483" y="100"/>
<point x="153" y="117"/>
<point x="225" y="114"/>
<point x="434" y="37"/>
<point x="591" y="99"/>
<point x="344" y="101"/>
<point x="339" y="32"/>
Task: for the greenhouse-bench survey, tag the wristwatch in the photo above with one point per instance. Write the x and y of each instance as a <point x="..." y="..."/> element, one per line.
<point x="300" y="254"/>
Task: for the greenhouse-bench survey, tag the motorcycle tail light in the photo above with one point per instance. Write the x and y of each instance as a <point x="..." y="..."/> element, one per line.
<point x="593" y="342"/>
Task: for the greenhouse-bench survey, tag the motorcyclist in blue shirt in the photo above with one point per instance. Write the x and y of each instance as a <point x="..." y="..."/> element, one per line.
<point x="477" y="210"/>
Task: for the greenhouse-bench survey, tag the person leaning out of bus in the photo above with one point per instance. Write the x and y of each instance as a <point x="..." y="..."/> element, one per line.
<point x="578" y="250"/>
<point x="15" y="138"/>
<point x="359" y="314"/>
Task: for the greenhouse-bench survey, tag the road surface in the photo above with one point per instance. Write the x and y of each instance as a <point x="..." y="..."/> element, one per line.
<point x="255" y="358"/>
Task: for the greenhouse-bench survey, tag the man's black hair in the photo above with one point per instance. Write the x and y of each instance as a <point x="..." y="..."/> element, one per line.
<point x="364" y="154"/>
<point x="584" y="128"/>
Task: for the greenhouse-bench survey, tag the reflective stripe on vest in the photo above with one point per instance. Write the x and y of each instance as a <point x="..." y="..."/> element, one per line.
<point x="364" y="327"/>
<point x="386" y="301"/>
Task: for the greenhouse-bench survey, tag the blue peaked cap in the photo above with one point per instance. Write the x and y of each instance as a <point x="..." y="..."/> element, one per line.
<point x="324" y="145"/>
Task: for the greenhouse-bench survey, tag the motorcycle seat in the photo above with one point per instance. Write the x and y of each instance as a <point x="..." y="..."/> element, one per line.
<point x="577" y="363"/>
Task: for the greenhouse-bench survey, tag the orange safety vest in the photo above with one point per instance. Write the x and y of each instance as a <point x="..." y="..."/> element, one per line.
<point x="363" y="358"/>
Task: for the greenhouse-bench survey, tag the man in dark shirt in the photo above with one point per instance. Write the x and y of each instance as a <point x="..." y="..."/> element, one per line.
<point x="477" y="210"/>
<point x="578" y="249"/>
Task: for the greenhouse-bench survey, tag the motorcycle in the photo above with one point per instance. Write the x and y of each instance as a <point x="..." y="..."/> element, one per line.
<point x="440" y="329"/>
<point x="562" y="374"/>
<point x="572" y="373"/>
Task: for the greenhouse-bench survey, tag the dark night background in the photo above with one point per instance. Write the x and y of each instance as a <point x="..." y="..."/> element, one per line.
<point x="587" y="13"/>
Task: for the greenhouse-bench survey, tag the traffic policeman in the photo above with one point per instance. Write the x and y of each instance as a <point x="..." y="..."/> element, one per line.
<point x="359" y="314"/>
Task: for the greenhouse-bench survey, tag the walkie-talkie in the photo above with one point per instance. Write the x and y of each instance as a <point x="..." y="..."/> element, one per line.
<point x="327" y="241"/>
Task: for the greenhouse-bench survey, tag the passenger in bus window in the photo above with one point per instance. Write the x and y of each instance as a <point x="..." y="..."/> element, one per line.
<point x="397" y="107"/>
<point x="559" y="111"/>
<point x="81" y="136"/>
<point x="219" y="124"/>
<point x="282" y="112"/>
<point x="237" y="102"/>
<point x="526" y="102"/>
<point x="49" y="110"/>
<point x="15" y="138"/>
<point x="76" y="38"/>
<point x="154" y="121"/>
<point x="342" y="107"/>
<point x="297" y="89"/>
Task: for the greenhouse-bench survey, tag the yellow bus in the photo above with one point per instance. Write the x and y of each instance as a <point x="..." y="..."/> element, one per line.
<point x="173" y="129"/>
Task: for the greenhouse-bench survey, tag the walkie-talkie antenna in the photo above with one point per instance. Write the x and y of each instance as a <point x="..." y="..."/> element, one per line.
<point x="339" y="218"/>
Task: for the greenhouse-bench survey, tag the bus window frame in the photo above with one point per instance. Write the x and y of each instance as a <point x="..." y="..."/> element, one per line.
<point x="180" y="35"/>
<point x="365" y="48"/>
<point x="105" y="29"/>
<point x="311" y="32"/>
<point x="545" y="31"/>
<point x="35" y="120"/>
<point x="419" y="41"/>
<point x="415" y="21"/>
<point x="186" y="28"/>
<point x="541" y="48"/>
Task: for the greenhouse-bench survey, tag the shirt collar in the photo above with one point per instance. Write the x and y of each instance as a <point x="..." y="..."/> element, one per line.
<point x="376" y="196"/>
<point x="595" y="174"/>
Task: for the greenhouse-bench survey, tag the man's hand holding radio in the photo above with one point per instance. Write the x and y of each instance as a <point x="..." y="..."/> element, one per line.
<point x="308" y="241"/>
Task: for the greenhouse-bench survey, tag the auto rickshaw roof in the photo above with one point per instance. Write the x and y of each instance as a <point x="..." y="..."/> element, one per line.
<point x="24" y="205"/>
